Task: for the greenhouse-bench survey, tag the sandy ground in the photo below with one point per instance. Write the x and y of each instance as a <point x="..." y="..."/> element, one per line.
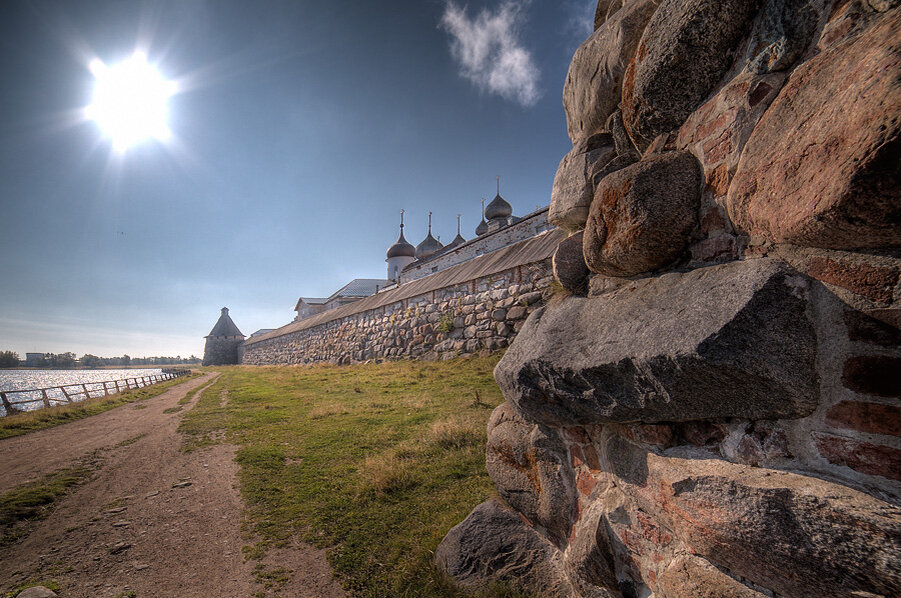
<point x="152" y="520"/>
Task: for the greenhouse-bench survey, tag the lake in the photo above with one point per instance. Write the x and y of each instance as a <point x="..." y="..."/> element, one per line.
<point x="29" y="379"/>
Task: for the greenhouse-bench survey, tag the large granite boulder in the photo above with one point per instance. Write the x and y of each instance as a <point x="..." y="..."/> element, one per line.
<point x="685" y="50"/>
<point x="642" y="216"/>
<point x="735" y="340"/>
<point x="573" y="189"/>
<point x="593" y="85"/>
<point x="569" y="265"/>
<point x="835" y="181"/>
<point x="494" y="544"/>
<point x="530" y="467"/>
<point x="753" y="521"/>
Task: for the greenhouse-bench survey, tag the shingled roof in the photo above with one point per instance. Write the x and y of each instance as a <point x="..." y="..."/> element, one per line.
<point x="531" y="250"/>
<point x="225" y="326"/>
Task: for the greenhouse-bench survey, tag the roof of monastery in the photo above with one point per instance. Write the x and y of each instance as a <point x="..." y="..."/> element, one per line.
<point x="360" y="287"/>
<point x="531" y="250"/>
<point x="480" y="237"/>
<point x="225" y="326"/>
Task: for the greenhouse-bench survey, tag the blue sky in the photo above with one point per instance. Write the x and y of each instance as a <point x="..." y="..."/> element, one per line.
<point x="299" y="130"/>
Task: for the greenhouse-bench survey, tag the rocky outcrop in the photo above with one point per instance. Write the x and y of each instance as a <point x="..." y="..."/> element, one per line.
<point x="711" y="410"/>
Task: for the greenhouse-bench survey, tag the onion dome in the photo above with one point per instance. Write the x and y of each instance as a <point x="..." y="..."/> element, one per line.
<point x="498" y="208"/>
<point x="482" y="228"/>
<point x="401" y="248"/>
<point x="429" y="245"/>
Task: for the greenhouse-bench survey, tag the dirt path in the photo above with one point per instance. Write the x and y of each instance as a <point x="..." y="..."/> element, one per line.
<point x="153" y="520"/>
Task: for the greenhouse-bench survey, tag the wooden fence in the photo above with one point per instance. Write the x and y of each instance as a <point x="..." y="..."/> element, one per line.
<point x="70" y="393"/>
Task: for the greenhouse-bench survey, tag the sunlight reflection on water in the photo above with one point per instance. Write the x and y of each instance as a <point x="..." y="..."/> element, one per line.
<point x="36" y="379"/>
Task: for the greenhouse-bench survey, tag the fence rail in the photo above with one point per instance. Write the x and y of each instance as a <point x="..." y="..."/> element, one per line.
<point x="71" y="393"/>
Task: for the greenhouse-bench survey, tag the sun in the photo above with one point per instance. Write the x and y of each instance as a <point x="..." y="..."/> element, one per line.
<point x="130" y="101"/>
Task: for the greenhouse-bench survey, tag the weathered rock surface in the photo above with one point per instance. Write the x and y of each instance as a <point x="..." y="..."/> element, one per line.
<point x="734" y="340"/>
<point x="589" y="559"/>
<point x="782" y="33"/>
<point x="593" y="84"/>
<point x="685" y="50"/>
<point x="494" y="544"/>
<point x="839" y="541"/>
<point x="835" y="182"/>
<point x="37" y="592"/>
<point x="642" y="216"/>
<point x="573" y="189"/>
<point x="569" y="265"/>
<point x="530" y="467"/>
<point x="689" y="575"/>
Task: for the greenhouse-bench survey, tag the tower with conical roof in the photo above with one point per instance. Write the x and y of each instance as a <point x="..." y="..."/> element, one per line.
<point x="399" y="255"/>
<point x="429" y="246"/>
<point x="222" y="342"/>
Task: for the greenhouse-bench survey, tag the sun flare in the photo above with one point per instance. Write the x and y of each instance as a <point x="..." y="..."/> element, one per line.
<point x="130" y="101"/>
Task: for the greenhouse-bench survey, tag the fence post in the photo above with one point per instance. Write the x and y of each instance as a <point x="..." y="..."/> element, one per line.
<point x="105" y="389"/>
<point x="66" y="394"/>
<point x="7" y="405"/>
<point x="87" y="395"/>
<point x="45" y="397"/>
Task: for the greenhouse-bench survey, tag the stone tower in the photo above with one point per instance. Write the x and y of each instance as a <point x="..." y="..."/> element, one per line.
<point x="222" y="342"/>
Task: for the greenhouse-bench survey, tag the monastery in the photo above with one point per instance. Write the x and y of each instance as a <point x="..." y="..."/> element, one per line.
<point x="499" y="228"/>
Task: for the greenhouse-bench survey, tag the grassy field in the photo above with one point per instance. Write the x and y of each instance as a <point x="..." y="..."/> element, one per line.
<point x="22" y="423"/>
<point x="375" y="463"/>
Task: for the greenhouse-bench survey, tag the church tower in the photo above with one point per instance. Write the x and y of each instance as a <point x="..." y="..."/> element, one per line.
<point x="399" y="255"/>
<point x="222" y="342"/>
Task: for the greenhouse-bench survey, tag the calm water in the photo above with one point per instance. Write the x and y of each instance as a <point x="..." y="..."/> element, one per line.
<point x="29" y="379"/>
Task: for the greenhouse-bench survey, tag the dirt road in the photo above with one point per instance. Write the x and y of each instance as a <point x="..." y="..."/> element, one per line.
<point x="153" y="521"/>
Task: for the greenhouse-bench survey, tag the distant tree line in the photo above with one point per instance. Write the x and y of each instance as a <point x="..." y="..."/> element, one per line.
<point x="68" y="360"/>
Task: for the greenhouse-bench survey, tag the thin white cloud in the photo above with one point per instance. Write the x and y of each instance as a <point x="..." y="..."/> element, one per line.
<point x="581" y="18"/>
<point x="489" y="53"/>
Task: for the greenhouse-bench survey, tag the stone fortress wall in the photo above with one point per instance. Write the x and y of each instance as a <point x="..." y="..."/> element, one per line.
<point x="716" y="409"/>
<point x="463" y="310"/>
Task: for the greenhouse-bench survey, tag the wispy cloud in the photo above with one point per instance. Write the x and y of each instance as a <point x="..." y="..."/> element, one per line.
<point x="581" y="18"/>
<point x="489" y="52"/>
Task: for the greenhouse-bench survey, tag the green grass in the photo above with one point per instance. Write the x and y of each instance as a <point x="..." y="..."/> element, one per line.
<point x="374" y="463"/>
<point x="30" y="421"/>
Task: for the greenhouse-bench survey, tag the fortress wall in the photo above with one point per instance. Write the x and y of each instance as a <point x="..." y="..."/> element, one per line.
<point x="468" y="318"/>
